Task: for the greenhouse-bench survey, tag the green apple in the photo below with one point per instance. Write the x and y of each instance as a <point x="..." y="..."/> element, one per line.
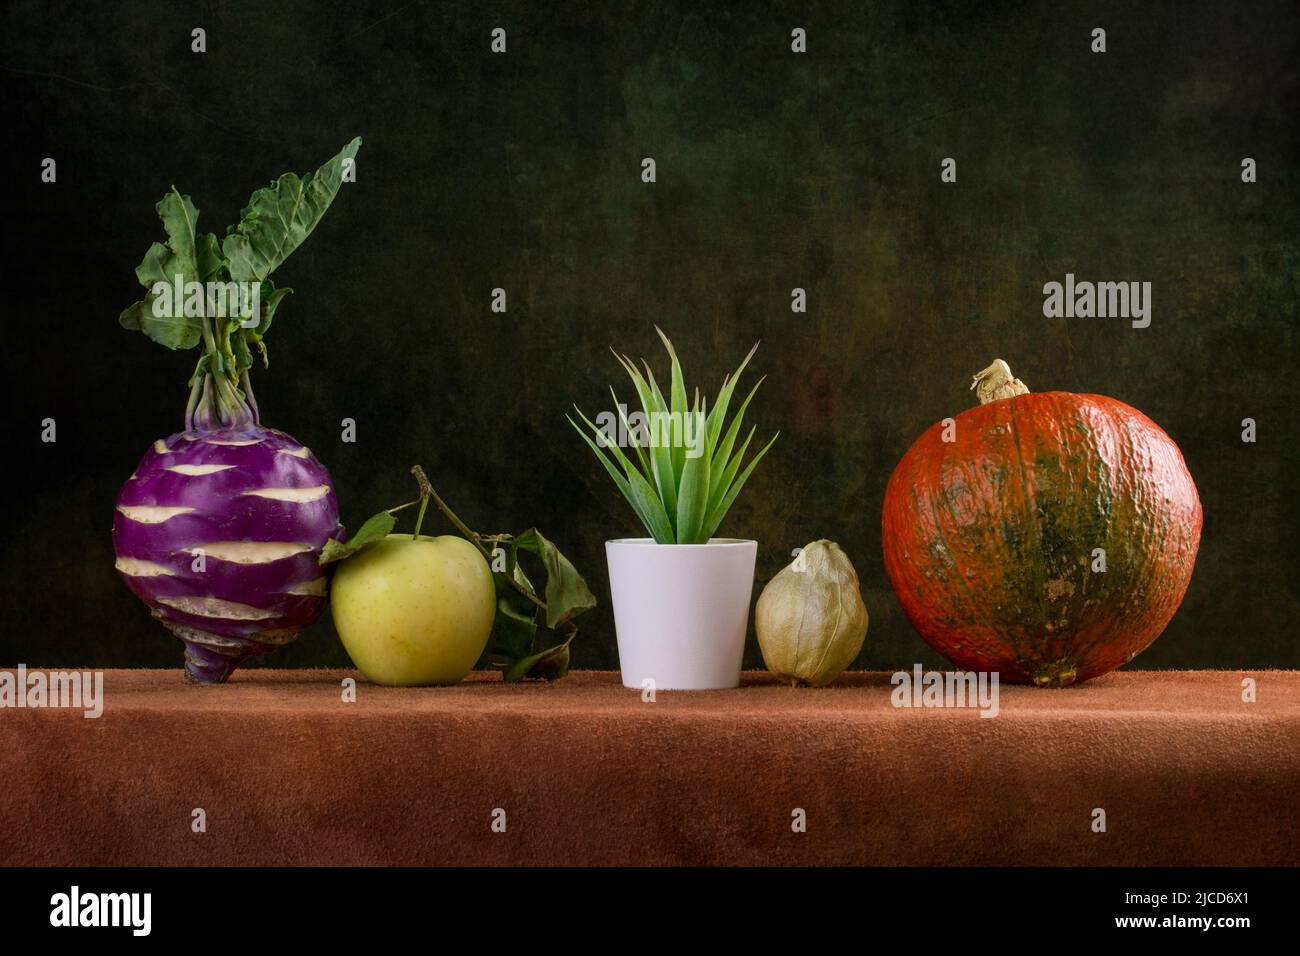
<point x="414" y="611"/>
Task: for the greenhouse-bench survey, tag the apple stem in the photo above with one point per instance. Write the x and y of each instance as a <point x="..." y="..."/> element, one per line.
<point x="426" y="490"/>
<point x="419" y="518"/>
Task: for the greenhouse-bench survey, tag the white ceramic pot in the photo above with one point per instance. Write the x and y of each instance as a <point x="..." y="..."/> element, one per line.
<point x="681" y="610"/>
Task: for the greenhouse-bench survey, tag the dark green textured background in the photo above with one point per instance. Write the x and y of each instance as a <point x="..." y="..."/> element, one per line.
<point x="775" y="170"/>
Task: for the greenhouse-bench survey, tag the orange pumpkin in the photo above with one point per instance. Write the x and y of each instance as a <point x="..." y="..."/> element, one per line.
<point x="1050" y="539"/>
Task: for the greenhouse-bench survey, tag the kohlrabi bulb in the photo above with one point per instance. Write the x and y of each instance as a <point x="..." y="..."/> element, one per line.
<point x="218" y="531"/>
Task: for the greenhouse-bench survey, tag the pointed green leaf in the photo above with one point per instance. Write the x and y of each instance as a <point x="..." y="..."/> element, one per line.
<point x="635" y="488"/>
<point x="724" y="399"/>
<point x="678" y="404"/>
<point x="722" y="454"/>
<point x="619" y="480"/>
<point x="723" y="477"/>
<point x="661" y="462"/>
<point x="643" y="460"/>
<point x="693" y="500"/>
<point x="642" y="497"/>
<point x="715" y="519"/>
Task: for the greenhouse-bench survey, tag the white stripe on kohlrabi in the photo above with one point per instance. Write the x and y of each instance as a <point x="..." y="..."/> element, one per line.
<point x="302" y="452"/>
<point x="151" y="514"/>
<point x="215" y="607"/>
<point x="160" y="447"/>
<point x="249" y="552"/>
<point x="291" y="494"/>
<point x="134" y="567"/>
<point x="232" y="444"/>
<point x="314" y="587"/>
<point x="195" y="471"/>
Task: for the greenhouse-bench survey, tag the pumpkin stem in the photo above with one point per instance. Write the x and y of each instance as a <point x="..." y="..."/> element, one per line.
<point x="996" y="382"/>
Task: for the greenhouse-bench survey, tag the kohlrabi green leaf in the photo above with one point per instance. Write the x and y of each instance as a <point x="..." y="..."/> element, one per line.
<point x="173" y="331"/>
<point x="271" y="297"/>
<point x="376" y="528"/>
<point x="196" y="295"/>
<point x="171" y="318"/>
<point x="188" y="255"/>
<point x="280" y="216"/>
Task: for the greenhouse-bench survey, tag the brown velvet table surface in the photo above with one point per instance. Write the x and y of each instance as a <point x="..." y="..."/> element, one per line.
<point x="583" y="771"/>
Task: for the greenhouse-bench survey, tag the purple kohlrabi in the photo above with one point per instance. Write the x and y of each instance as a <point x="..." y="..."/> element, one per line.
<point x="218" y="531"/>
<point x="219" y="528"/>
